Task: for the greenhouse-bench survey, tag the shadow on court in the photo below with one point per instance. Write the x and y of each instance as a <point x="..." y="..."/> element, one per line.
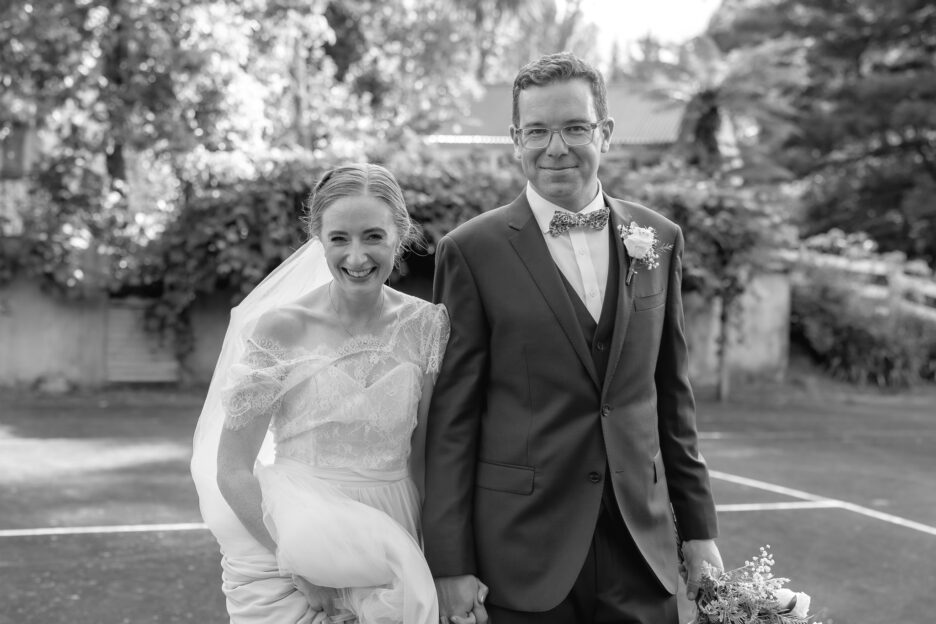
<point x="121" y="459"/>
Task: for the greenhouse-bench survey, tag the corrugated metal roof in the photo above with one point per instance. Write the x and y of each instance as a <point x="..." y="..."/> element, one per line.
<point x="638" y="120"/>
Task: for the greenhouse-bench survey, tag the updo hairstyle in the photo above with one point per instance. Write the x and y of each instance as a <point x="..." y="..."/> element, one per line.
<point x="361" y="179"/>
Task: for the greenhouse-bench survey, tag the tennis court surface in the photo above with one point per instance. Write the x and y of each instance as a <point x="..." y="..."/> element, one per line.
<point x="99" y="521"/>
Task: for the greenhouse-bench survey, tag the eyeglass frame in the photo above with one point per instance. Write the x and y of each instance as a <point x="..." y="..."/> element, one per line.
<point x="593" y="125"/>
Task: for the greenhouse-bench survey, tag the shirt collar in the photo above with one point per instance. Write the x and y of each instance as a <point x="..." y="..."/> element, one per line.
<point x="543" y="209"/>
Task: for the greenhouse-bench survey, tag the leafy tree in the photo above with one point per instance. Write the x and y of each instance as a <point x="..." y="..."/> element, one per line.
<point x="866" y="143"/>
<point x="732" y="232"/>
<point x="720" y="182"/>
<point x="736" y="105"/>
<point x="98" y="80"/>
<point x="488" y="18"/>
<point x="510" y="33"/>
<point x="142" y="106"/>
<point x="410" y="60"/>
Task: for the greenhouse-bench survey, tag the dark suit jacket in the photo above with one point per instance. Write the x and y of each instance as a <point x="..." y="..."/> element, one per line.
<point x="520" y="422"/>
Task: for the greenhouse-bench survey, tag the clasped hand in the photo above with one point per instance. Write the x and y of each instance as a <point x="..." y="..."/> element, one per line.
<point x="461" y="600"/>
<point x="322" y="603"/>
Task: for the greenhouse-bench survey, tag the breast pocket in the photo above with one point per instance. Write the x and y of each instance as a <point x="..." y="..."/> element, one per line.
<point x="504" y="478"/>
<point x="650" y="301"/>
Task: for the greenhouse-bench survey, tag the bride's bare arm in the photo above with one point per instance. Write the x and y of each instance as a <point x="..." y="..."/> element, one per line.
<point x="237" y="452"/>
<point x="248" y="418"/>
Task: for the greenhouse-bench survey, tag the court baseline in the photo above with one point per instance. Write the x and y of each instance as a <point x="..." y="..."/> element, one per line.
<point x="806" y="501"/>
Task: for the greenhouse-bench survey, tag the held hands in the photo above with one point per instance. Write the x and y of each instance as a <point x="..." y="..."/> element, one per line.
<point x="321" y="602"/>
<point x="461" y="600"/>
<point x="695" y="552"/>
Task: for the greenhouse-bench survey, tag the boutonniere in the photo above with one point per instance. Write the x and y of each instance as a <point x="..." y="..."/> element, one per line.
<point x="642" y="245"/>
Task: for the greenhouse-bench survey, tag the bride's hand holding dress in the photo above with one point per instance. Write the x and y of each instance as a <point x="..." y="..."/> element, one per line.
<point x="338" y="503"/>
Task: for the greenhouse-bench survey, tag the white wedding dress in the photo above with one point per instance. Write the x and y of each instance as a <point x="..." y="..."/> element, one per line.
<point x="338" y="497"/>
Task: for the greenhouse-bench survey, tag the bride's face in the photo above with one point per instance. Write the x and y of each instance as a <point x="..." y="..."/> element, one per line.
<point x="360" y="240"/>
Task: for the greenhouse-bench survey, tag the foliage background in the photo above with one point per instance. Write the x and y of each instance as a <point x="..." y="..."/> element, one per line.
<point x="864" y="139"/>
<point x="177" y="139"/>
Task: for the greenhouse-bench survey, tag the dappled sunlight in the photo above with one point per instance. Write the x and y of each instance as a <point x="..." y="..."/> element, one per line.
<point x="158" y="160"/>
<point x="42" y="460"/>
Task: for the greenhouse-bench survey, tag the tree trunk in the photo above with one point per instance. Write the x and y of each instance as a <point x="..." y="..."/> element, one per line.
<point x="697" y="137"/>
<point x="114" y="67"/>
<point x="300" y="89"/>
<point x="724" y="340"/>
<point x="570" y="21"/>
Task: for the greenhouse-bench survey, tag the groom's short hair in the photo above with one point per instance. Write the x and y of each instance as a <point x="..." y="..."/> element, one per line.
<point x="559" y="67"/>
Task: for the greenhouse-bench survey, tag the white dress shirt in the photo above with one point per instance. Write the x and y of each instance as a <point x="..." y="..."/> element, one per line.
<point x="581" y="253"/>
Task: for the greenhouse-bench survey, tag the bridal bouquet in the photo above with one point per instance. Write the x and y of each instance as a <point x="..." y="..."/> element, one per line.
<point x="750" y="595"/>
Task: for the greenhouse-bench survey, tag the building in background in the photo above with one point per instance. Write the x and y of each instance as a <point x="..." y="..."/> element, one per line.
<point x="643" y="128"/>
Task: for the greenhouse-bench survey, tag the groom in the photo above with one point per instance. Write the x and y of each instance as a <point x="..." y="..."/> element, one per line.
<point x="563" y="468"/>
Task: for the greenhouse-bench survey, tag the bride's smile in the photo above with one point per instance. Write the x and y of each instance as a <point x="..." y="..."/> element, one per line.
<point x="361" y="242"/>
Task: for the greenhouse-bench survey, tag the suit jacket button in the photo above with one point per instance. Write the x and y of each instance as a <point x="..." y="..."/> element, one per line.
<point x="600" y="346"/>
<point x="605" y="410"/>
<point x="594" y="477"/>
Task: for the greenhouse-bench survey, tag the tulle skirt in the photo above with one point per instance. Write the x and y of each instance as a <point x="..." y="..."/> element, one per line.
<point x="356" y="532"/>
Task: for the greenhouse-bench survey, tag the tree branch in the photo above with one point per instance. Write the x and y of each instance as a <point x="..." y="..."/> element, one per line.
<point x="883" y="150"/>
<point x="925" y="149"/>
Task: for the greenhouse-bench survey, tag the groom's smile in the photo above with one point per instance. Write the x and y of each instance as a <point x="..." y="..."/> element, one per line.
<point x="565" y="175"/>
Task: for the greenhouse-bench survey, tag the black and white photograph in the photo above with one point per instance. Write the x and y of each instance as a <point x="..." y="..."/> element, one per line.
<point x="467" y="311"/>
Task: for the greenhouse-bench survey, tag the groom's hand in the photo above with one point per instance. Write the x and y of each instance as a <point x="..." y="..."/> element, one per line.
<point x="695" y="552"/>
<point x="460" y="597"/>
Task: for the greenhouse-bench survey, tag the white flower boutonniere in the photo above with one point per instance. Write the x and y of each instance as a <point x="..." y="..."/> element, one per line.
<point x="643" y="245"/>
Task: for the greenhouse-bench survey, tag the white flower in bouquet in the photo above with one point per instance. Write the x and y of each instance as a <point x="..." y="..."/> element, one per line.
<point x="750" y="594"/>
<point x="796" y="602"/>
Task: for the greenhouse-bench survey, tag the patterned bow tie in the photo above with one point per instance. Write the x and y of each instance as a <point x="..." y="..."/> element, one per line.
<point x="564" y="221"/>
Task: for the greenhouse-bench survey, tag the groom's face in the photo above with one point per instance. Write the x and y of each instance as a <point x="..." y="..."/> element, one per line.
<point x="566" y="176"/>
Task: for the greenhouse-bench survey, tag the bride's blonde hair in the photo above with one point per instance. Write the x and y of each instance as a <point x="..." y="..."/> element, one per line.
<point x="356" y="180"/>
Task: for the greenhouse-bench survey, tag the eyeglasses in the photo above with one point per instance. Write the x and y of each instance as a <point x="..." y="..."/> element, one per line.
<point x="574" y="135"/>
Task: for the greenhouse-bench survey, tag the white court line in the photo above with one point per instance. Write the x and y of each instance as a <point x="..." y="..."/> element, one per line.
<point x="810" y="501"/>
<point x="125" y="528"/>
<point x="770" y="487"/>
<point x="828" y="504"/>
<point x="840" y="504"/>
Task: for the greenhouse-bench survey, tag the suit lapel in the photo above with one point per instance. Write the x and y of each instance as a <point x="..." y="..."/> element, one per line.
<point x="620" y="215"/>
<point x="527" y="241"/>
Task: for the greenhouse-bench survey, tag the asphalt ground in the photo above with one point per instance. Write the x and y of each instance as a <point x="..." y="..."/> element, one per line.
<point x="99" y="521"/>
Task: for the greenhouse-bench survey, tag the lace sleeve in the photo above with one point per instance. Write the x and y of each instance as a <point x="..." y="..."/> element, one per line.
<point x="255" y="384"/>
<point x="435" y="338"/>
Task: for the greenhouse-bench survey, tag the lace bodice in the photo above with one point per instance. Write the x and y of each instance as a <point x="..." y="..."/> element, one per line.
<point x="351" y="405"/>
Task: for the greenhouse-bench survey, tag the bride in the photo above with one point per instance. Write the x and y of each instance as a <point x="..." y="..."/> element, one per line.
<point x="335" y="369"/>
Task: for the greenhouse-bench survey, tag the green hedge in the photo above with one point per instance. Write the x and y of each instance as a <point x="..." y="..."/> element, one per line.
<point x="233" y="229"/>
<point x="442" y="194"/>
<point x="862" y="340"/>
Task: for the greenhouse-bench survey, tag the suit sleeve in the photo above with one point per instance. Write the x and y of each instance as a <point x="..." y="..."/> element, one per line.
<point x="686" y="473"/>
<point x="454" y="419"/>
